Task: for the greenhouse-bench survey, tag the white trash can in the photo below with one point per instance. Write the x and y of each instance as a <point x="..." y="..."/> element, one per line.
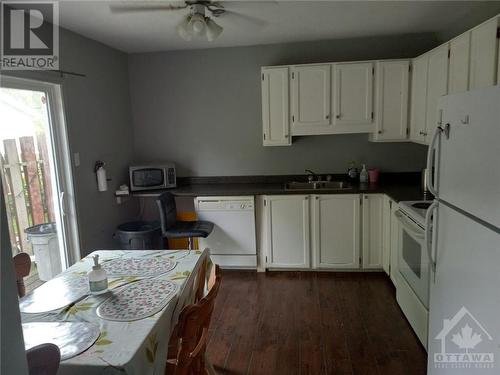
<point x="43" y="239"/>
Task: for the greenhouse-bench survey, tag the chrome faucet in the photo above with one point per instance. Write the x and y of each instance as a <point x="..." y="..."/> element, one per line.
<point x="312" y="175"/>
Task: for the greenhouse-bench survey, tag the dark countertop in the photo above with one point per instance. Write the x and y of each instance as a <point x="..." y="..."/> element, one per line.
<point x="398" y="189"/>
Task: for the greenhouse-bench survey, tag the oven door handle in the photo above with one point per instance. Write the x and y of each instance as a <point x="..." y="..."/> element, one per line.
<point x="409" y="226"/>
<point x="428" y="234"/>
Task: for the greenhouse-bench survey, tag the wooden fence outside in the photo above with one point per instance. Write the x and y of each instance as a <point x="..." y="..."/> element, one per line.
<point x="27" y="185"/>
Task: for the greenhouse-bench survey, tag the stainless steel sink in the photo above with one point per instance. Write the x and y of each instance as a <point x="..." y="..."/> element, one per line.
<point x="317" y="185"/>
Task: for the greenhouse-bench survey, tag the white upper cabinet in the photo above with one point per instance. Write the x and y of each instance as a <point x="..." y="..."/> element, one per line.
<point x="483" y="54"/>
<point x="275" y="107"/>
<point x="372" y="230"/>
<point x="419" y="98"/>
<point x="287" y="234"/>
<point x="311" y="98"/>
<point x="459" y="64"/>
<point x="353" y="96"/>
<point x="335" y="231"/>
<point x="391" y="101"/>
<point x="437" y="86"/>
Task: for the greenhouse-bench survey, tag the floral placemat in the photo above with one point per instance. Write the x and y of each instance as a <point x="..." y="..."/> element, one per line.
<point x="139" y="267"/>
<point x="138" y="301"/>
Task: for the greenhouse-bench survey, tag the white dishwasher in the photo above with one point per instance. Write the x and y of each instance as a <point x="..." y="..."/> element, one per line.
<point x="232" y="243"/>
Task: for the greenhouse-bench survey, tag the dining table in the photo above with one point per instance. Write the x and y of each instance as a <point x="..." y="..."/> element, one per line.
<point x="152" y="284"/>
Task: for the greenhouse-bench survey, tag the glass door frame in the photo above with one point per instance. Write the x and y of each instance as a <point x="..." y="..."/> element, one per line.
<point x="62" y="178"/>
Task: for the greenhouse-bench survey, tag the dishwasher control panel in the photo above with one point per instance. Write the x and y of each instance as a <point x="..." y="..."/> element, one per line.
<point x="224" y="203"/>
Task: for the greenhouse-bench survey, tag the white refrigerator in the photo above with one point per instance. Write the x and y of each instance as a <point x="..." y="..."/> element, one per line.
<point x="463" y="236"/>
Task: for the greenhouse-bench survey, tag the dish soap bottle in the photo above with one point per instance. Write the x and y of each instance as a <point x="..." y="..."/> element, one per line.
<point x="363" y="175"/>
<point x="98" y="279"/>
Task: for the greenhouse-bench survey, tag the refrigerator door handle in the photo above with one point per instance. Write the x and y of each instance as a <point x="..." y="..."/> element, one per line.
<point x="430" y="159"/>
<point x="428" y="234"/>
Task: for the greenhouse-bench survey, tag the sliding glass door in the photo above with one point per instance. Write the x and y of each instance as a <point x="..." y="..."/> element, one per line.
<point x="35" y="168"/>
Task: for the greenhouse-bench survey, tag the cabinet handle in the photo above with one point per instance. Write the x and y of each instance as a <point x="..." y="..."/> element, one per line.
<point x="338" y="116"/>
<point x="327" y="117"/>
<point x="380" y="132"/>
<point x="317" y="198"/>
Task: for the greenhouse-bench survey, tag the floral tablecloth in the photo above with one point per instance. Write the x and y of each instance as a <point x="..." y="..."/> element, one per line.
<point x="137" y="347"/>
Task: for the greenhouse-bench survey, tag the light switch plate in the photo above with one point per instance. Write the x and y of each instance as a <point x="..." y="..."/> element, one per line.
<point x="76" y="159"/>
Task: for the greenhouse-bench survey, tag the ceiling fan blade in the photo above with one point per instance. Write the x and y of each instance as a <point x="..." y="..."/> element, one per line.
<point x="142" y="7"/>
<point x="251" y="19"/>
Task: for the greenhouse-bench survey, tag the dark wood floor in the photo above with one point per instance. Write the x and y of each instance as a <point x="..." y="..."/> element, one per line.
<point x="311" y="323"/>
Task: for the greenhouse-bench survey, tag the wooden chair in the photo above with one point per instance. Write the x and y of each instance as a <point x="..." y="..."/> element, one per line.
<point x="192" y="334"/>
<point x="22" y="265"/>
<point x="43" y="359"/>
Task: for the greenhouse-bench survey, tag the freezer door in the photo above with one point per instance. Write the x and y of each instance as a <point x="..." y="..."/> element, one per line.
<point x="468" y="174"/>
<point x="464" y="334"/>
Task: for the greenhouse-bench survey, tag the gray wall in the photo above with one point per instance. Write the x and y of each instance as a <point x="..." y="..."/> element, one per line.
<point x="202" y="109"/>
<point x="99" y="123"/>
<point x="100" y="128"/>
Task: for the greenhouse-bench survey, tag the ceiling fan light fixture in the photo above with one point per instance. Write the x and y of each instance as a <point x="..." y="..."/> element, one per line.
<point x="198" y="24"/>
<point x="184" y="29"/>
<point x="213" y="29"/>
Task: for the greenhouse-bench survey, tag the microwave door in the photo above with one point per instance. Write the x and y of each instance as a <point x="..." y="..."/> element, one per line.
<point x="147" y="178"/>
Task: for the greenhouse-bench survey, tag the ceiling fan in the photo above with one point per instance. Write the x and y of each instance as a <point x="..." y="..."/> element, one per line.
<point x="197" y="22"/>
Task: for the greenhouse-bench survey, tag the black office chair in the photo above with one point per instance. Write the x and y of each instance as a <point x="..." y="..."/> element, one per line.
<point x="171" y="228"/>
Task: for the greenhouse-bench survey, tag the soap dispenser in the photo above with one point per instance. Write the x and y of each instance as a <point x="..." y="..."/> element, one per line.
<point x="98" y="279"/>
<point x="363" y="175"/>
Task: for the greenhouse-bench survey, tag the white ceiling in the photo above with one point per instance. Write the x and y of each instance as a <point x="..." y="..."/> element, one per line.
<point x="285" y="21"/>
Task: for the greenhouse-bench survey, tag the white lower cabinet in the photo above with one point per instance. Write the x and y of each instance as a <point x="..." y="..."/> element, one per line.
<point x="287" y="231"/>
<point x="335" y="231"/>
<point x="386" y="236"/>
<point x="372" y="230"/>
<point x="394" y="244"/>
<point x="328" y="231"/>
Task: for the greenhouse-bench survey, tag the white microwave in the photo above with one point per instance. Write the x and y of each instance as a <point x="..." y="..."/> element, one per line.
<point x="152" y="177"/>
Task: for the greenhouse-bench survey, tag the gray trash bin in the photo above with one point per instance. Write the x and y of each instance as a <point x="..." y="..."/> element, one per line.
<point x="43" y="240"/>
<point x="139" y="235"/>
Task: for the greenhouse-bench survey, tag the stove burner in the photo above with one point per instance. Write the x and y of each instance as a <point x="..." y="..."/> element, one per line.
<point x="424" y="205"/>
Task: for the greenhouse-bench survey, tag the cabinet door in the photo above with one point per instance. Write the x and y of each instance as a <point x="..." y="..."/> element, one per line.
<point x="288" y="239"/>
<point x="437" y="86"/>
<point x="275" y="107"/>
<point x="395" y="241"/>
<point x="372" y="228"/>
<point x="459" y="64"/>
<point x="419" y="98"/>
<point x="483" y="56"/>
<point x="311" y="98"/>
<point x="392" y="101"/>
<point x="353" y="88"/>
<point x="386" y="239"/>
<point x="335" y="231"/>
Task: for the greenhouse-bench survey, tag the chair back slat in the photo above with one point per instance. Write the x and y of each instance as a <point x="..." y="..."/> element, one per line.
<point x="193" y="325"/>
<point x="22" y="266"/>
